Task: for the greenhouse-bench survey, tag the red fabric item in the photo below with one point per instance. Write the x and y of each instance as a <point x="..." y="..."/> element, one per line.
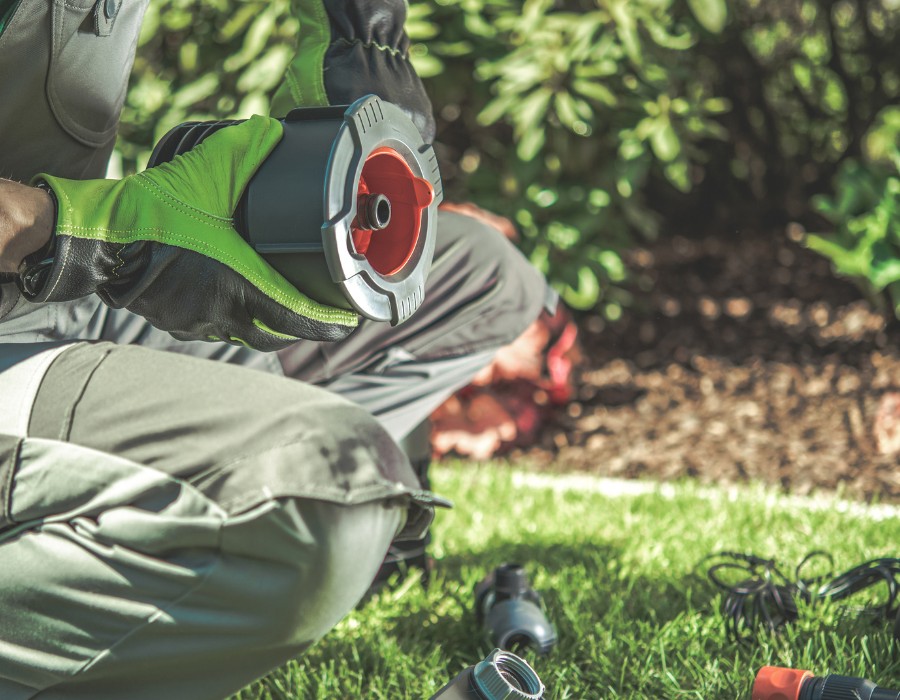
<point x="508" y="402"/>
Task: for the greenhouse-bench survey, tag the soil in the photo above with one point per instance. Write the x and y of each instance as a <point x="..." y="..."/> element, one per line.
<point x="746" y="360"/>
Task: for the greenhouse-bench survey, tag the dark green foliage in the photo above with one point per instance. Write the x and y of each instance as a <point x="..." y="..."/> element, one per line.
<point x="866" y="214"/>
<point x="203" y="59"/>
<point x="808" y="80"/>
<point x="573" y="106"/>
<point x="587" y="122"/>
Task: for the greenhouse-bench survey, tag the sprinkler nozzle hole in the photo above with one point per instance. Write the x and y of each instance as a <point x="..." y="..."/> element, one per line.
<point x="382" y="211"/>
<point x="374" y="211"/>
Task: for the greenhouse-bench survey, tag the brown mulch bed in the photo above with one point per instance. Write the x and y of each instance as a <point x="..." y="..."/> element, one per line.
<point x="747" y="361"/>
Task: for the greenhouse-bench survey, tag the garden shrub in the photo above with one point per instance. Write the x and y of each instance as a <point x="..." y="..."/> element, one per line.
<point x="587" y="122"/>
<point x="865" y="245"/>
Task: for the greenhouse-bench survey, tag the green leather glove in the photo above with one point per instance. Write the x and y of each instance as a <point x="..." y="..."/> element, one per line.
<point x="162" y="244"/>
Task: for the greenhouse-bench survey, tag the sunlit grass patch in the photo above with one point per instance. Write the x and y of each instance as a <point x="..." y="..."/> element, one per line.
<point x="621" y="579"/>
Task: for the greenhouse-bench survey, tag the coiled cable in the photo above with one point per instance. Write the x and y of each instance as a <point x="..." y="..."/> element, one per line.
<point x="758" y="594"/>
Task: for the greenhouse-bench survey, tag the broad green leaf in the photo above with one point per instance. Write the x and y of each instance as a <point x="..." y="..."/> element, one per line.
<point x="418" y="25"/>
<point x="255" y="41"/>
<point x="711" y="14"/>
<point x="150" y="24"/>
<point x="533" y="14"/>
<point x="599" y="198"/>
<point x="612" y="263"/>
<point x="596" y="91"/>
<point x="645" y="128"/>
<point x="426" y="64"/>
<point x="176" y="19"/>
<point x="422" y="31"/>
<point x="188" y="55"/>
<point x="833" y="95"/>
<point x="530" y="143"/>
<point x="566" y="109"/>
<point x="452" y="49"/>
<point x="626" y="29"/>
<point x="524" y="74"/>
<point x="678" y="174"/>
<point x="267" y="72"/>
<point x="802" y="74"/>
<point x="629" y="149"/>
<point x="254" y="103"/>
<point x="846" y="261"/>
<point x="149" y="93"/>
<point x="612" y="311"/>
<point x="680" y="106"/>
<point x="533" y="109"/>
<point x="885" y="268"/>
<point x="496" y="109"/>
<point x="478" y="26"/>
<point x="587" y="293"/>
<point x="194" y="92"/>
<point x="238" y="21"/>
<point x="540" y="257"/>
<point x="716" y="105"/>
<point x="665" y="142"/>
<point x="600" y="69"/>
<point x="563" y="236"/>
<point x="661" y="36"/>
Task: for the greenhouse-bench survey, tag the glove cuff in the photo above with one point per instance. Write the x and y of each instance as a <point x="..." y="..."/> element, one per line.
<point x="378" y="25"/>
<point x="59" y="281"/>
<point x="351" y="48"/>
<point x="369" y="52"/>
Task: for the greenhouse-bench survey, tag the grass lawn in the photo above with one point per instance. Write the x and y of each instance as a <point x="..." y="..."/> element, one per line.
<point x="635" y="617"/>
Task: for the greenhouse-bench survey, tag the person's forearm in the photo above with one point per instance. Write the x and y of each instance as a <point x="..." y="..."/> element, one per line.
<point x="26" y="221"/>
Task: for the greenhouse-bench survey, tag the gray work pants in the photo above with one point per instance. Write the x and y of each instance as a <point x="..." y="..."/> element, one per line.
<point x="174" y="527"/>
<point x="187" y="564"/>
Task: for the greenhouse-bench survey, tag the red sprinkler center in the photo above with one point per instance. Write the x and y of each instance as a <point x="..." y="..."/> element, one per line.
<point x="389" y="201"/>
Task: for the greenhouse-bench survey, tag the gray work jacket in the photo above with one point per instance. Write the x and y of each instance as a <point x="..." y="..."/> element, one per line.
<point x="65" y="67"/>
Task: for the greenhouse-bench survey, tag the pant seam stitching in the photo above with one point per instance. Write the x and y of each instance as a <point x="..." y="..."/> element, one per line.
<point x="69" y="419"/>
<point x="6" y="487"/>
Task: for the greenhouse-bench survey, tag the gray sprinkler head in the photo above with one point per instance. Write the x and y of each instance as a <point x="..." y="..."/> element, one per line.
<point x="345" y="206"/>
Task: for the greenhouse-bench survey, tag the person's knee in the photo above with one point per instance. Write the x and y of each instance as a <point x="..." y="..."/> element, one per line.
<point x="489" y="278"/>
<point x="337" y="552"/>
<point x="342" y="444"/>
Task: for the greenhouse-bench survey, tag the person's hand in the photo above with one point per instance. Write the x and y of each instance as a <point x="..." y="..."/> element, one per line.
<point x="351" y="48"/>
<point x="162" y="244"/>
<point x="26" y="221"/>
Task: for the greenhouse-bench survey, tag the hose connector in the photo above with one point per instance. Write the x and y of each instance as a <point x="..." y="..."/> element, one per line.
<point x="776" y="683"/>
<point x="500" y="676"/>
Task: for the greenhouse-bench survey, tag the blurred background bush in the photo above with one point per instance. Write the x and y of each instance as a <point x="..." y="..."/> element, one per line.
<point x="598" y="124"/>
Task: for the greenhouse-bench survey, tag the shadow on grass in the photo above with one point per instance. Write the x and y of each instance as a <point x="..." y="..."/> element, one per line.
<point x="584" y="588"/>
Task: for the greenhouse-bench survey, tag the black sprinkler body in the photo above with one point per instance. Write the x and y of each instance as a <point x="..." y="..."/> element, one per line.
<point x="500" y="676"/>
<point x="511" y="612"/>
<point x="345" y="206"/>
